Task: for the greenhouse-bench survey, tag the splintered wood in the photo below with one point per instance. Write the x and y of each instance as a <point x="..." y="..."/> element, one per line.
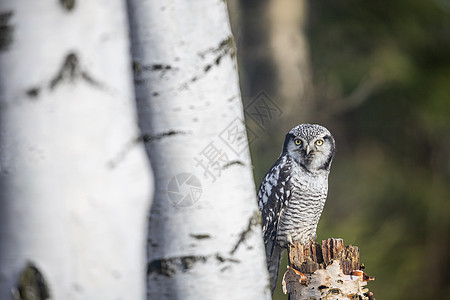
<point x="327" y="271"/>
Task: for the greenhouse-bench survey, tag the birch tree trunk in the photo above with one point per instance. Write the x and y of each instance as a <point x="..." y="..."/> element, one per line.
<point x="74" y="181"/>
<point x="205" y="233"/>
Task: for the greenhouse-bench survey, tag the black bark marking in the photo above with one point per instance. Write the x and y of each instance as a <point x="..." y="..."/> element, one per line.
<point x="255" y="220"/>
<point x="32" y="284"/>
<point x="147" y="138"/>
<point x="6" y="31"/>
<point x="170" y="266"/>
<point x="159" y="67"/>
<point x="89" y="79"/>
<point x="231" y="163"/>
<point x="67" y="4"/>
<point x="218" y="59"/>
<point x="70" y="71"/>
<point x="225" y="47"/>
<point x="139" y="69"/>
<point x="136" y="67"/>
<point x="181" y="264"/>
<point x="222" y="259"/>
<point x="200" y="236"/>
<point x="33" y="92"/>
<point x="232" y="98"/>
<point x="139" y="81"/>
<point x="113" y="163"/>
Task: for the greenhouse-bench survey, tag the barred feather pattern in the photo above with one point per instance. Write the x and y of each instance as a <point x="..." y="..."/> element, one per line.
<point x="300" y="217"/>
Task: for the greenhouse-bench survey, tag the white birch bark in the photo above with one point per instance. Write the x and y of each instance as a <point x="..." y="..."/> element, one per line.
<point x="74" y="182"/>
<point x="329" y="283"/>
<point x="189" y="105"/>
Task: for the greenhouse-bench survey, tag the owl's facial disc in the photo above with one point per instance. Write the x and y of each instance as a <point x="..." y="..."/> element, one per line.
<point x="312" y="154"/>
<point x="311" y="146"/>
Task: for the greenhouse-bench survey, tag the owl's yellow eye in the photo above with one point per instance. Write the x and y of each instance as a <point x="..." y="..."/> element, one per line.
<point x="319" y="142"/>
<point x="298" y="142"/>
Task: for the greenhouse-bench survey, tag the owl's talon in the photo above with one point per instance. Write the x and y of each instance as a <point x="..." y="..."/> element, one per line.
<point x="290" y="241"/>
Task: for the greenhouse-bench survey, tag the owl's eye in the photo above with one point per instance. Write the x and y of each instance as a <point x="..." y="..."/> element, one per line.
<point x="298" y="142"/>
<point x="319" y="142"/>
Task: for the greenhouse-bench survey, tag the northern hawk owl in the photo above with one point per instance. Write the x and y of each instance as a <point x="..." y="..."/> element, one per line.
<point x="293" y="192"/>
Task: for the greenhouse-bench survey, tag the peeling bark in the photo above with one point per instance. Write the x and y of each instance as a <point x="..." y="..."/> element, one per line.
<point x="327" y="271"/>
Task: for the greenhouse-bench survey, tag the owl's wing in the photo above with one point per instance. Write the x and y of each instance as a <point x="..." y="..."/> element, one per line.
<point x="273" y="195"/>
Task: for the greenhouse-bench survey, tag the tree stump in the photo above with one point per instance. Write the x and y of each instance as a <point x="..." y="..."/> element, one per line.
<point x="327" y="271"/>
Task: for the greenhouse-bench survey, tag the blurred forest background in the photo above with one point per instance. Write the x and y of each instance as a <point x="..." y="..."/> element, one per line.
<point x="377" y="74"/>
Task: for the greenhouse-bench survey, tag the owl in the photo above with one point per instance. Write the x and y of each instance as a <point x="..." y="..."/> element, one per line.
<point x="293" y="192"/>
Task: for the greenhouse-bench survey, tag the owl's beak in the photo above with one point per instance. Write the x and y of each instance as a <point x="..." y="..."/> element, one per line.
<point x="308" y="149"/>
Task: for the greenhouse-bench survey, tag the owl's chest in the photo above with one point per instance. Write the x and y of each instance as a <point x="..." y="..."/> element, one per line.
<point x="308" y="195"/>
<point x="309" y="185"/>
<point x="300" y="215"/>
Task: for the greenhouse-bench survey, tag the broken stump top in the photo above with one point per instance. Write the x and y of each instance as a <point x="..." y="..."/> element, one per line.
<point x="332" y="270"/>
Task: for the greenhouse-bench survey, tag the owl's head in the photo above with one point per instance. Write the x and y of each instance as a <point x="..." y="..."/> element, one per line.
<point x="310" y="145"/>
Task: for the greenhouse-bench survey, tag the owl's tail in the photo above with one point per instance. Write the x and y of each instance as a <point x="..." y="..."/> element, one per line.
<point x="273" y="255"/>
